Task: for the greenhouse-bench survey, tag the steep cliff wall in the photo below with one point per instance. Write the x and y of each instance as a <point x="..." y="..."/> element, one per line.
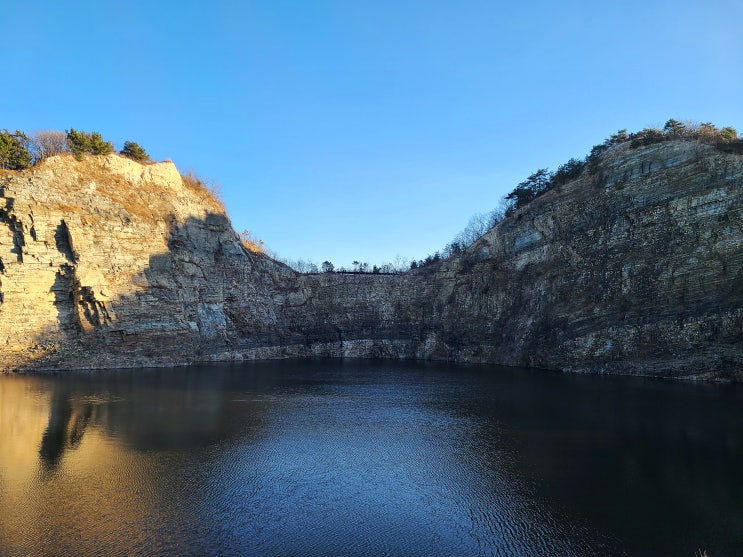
<point x="107" y="262"/>
<point x="637" y="268"/>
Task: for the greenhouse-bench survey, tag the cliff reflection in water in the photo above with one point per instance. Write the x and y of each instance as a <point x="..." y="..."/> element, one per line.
<point x="86" y="460"/>
<point x="170" y="410"/>
<point x="367" y="458"/>
<point x="66" y="427"/>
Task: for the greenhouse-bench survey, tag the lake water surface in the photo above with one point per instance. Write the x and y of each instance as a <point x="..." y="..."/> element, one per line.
<point x="368" y="458"/>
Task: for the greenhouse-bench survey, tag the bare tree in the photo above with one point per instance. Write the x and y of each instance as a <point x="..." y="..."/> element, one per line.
<point x="47" y="143"/>
<point x="478" y="225"/>
<point x="399" y="264"/>
<point x="499" y="213"/>
<point x="302" y="266"/>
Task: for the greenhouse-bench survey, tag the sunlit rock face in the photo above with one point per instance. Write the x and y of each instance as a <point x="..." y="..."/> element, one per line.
<point x="636" y="268"/>
<point x="108" y="262"/>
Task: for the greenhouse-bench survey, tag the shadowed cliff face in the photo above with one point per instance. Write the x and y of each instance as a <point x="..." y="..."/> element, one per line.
<point x="635" y="269"/>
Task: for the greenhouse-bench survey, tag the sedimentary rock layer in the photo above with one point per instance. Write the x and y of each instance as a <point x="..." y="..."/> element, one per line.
<point x="634" y="268"/>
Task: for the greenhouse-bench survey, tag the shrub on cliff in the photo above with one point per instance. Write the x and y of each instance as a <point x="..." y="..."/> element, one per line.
<point x="90" y="143"/>
<point x="729" y="142"/>
<point x="707" y="132"/>
<point x="728" y="135"/>
<point x="134" y="151"/>
<point x="647" y="136"/>
<point x="567" y="172"/>
<point x="203" y="187"/>
<point x="14" y="153"/>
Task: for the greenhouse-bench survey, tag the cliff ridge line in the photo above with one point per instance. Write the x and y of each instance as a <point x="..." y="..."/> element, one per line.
<point x="634" y="268"/>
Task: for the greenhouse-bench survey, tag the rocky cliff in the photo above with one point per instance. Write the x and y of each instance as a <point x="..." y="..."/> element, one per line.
<point x="635" y="268"/>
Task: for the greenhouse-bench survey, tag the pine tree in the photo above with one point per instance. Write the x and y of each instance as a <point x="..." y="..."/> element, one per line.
<point x="134" y="151"/>
<point x="82" y="143"/>
<point x="728" y="134"/>
<point x="14" y="153"/>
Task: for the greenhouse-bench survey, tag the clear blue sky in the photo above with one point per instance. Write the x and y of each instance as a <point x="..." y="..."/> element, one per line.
<point x="362" y="129"/>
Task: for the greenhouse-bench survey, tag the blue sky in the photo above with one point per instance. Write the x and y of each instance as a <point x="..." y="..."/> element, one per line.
<point x="360" y="129"/>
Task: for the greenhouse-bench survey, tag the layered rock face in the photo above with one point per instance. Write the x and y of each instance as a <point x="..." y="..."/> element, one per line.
<point x="635" y="268"/>
<point x="106" y="262"/>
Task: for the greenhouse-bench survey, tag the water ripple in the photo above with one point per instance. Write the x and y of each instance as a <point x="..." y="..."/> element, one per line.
<point x="363" y="459"/>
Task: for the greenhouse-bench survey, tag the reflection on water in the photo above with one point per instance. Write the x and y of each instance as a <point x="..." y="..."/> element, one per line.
<point x="66" y="427"/>
<point x="362" y="458"/>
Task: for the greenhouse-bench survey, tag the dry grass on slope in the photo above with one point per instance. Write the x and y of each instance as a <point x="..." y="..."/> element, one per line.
<point x="143" y="190"/>
<point x="251" y="243"/>
<point x="204" y="188"/>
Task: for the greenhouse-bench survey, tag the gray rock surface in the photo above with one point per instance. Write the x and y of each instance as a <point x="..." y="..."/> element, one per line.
<point x="635" y="269"/>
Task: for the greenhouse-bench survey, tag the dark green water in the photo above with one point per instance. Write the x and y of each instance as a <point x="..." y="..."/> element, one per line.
<point x="366" y="458"/>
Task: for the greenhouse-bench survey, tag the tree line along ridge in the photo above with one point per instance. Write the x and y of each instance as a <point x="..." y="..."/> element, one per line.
<point x="725" y="139"/>
<point x="19" y="151"/>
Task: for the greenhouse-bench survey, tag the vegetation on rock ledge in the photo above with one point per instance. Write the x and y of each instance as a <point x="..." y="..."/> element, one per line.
<point x="134" y="151"/>
<point x="14" y="154"/>
<point x="19" y="151"/>
<point x="88" y="143"/>
<point x="725" y="139"/>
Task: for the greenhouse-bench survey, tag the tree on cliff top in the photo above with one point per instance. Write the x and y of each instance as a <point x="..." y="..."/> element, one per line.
<point x="530" y="188"/>
<point x="134" y="151"/>
<point x="14" y="154"/>
<point x="674" y="128"/>
<point x="47" y="143"/>
<point x="91" y="143"/>
<point x="567" y="172"/>
<point x="728" y="134"/>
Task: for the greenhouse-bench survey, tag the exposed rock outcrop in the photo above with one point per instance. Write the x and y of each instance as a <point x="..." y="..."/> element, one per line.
<point x="637" y="268"/>
<point x="107" y="262"/>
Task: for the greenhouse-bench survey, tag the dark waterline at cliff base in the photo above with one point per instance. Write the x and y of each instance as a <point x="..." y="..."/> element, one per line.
<point x="368" y="458"/>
